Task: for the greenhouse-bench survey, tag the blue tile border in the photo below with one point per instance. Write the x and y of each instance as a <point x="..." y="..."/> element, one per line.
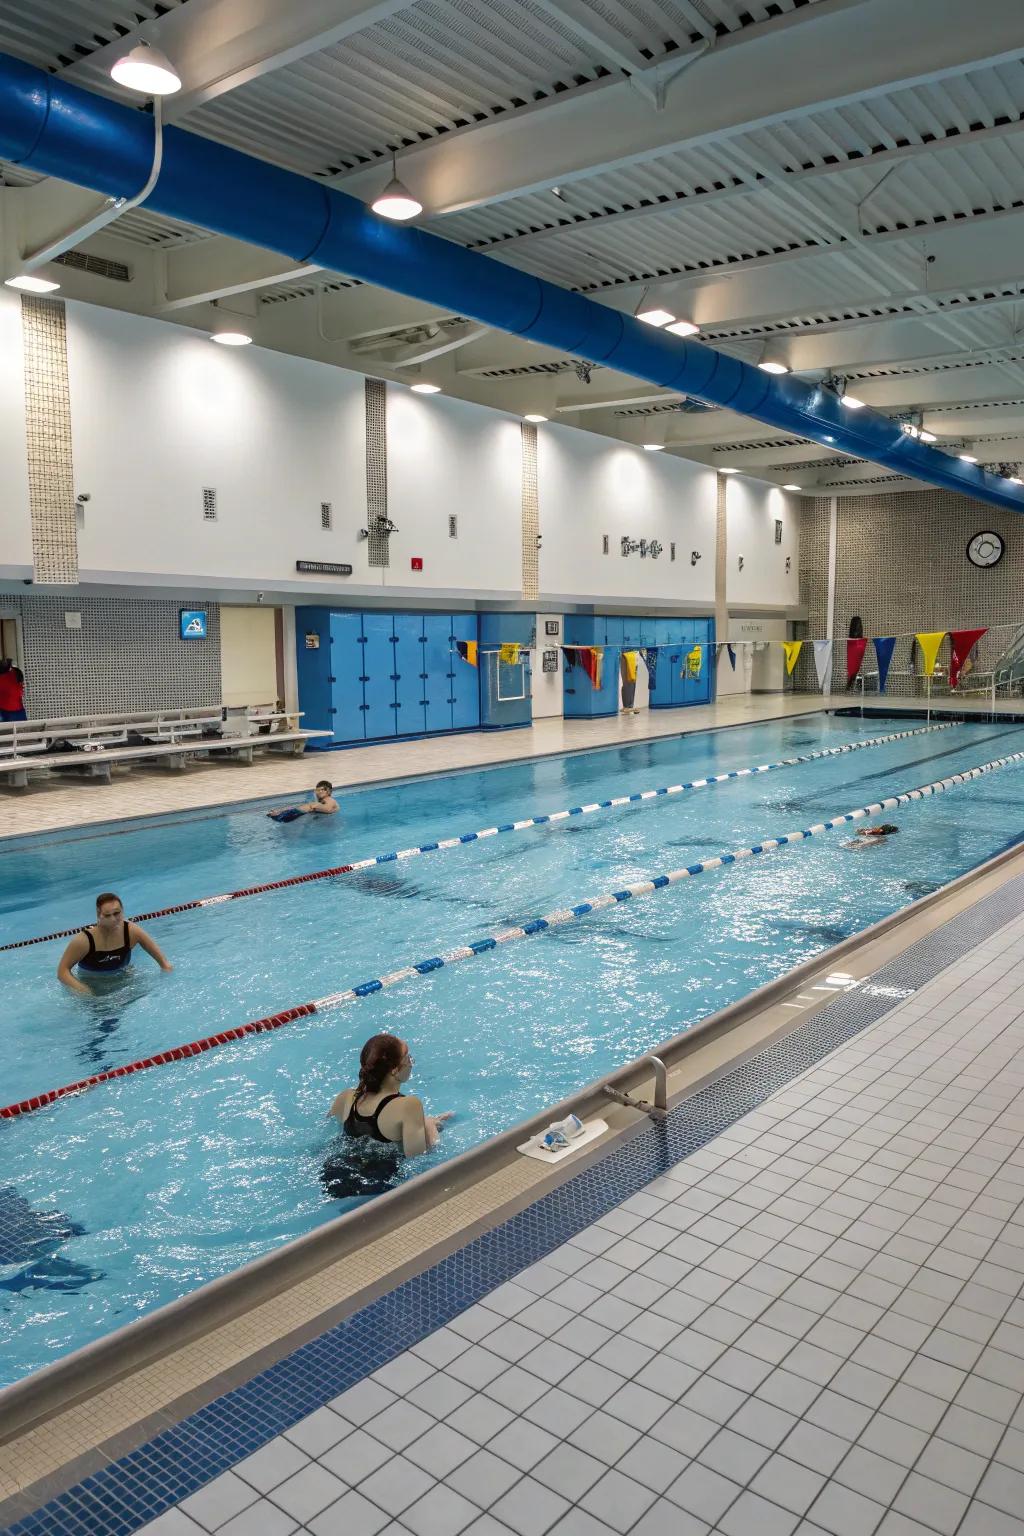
<point x="129" y="1493"/>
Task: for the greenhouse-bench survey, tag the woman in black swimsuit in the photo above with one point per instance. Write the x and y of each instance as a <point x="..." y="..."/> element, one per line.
<point x="105" y="947"/>
<point x="377" y="1111"/>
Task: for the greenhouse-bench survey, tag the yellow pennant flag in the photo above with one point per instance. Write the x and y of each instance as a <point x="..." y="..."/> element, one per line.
<point x="929" y="644"/>
<point x="695" y="661"/>
<point x="629" y="665"/>
<point x="792" y="649"/>
<point x="509" y="654"/>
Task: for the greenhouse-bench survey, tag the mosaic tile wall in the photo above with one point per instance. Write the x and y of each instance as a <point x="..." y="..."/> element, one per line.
<point x="48" y="437"/>
<point x="378" y="545"/>
<point x="126" y="656"/>
<point x="901" y="564"/>
<point x="814" y="518"/>
<point x="531" y="509"/>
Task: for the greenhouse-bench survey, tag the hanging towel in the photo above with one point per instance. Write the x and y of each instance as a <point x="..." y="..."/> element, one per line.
<point x="855" y="649"/>
<point x="792" y="649"/>
<point x="509" y="654"/>
<point x="467" y="649"/>
<point x="929" y="641"/>
<point x="962" y="643"/>
<point x="884" y="647"/>
<point x="629" y="666"/>
<point x="650" y="656"/>
<point x="694" y="661"/>
<point x="823" y="662"/>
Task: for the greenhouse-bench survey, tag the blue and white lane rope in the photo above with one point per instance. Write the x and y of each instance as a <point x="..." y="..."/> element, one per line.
<point x="473" y="837"/>
<point x="648" y="887"/>
<point x="482" y="946"/>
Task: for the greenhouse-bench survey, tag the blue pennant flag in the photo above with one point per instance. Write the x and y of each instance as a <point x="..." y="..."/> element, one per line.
<point x="883" y="650"/>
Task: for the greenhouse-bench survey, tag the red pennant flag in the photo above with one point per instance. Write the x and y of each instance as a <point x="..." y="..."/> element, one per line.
<point x="854" y="656"/>
<point x="963" y="642"/>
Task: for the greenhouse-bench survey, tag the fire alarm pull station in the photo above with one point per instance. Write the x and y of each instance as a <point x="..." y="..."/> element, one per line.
<point x="416" y="563"/>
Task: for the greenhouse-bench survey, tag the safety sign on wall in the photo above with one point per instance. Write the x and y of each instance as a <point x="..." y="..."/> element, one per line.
<point x="193" y="623"/>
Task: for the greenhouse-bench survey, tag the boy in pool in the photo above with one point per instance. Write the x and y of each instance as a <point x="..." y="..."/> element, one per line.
<point x="868" y="837"/>
<point x="323" y="805"/>
<point x="105" y="947"/>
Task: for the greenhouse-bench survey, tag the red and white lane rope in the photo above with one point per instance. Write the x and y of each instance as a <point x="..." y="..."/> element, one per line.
<point x="505" y="936"/>
<point x="472" y="837"/>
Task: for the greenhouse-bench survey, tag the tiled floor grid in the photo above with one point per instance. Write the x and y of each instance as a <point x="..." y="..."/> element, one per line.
<point x="811" y="1327"/>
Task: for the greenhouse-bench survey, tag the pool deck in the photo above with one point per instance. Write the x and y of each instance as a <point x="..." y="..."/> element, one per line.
<point x="154" y="792"/>
<point x="793" y="1308"/>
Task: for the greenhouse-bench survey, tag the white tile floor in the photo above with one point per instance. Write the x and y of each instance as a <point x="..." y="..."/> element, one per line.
<point x="813" y="1327"/>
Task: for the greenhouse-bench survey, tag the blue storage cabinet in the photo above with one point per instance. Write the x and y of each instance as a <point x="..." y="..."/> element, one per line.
<point x="376" y="676"/>
<point x="580" y="698"/>
<point x="505" y="691"/>
<point x="675" y="639"/>
<point x="674" y="687"/>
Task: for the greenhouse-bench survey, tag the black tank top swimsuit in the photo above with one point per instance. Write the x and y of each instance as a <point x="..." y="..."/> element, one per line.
<point x="104" y="961"/>
<point x="360" y="1127"/>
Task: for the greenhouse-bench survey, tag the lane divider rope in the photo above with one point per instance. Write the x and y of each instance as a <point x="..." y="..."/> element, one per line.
<point x="493" y="941"/>
<point x="472" y="837"/>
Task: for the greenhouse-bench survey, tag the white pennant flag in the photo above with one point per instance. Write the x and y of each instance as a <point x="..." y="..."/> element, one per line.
<point x="823" y="662"/>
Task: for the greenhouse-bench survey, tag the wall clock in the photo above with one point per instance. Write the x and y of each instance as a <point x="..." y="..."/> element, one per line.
<point x="986" y="549"/>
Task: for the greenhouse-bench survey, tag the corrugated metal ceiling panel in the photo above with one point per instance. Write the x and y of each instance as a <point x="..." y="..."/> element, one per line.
<point x="55" y="33"/>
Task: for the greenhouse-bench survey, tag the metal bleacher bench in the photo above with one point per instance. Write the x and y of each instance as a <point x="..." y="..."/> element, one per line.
<point x="92" y="744"/>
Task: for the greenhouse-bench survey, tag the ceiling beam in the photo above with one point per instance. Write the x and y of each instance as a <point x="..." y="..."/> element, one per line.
<point x="220" y="267"/>
<point x="775" y="71"/>
<point x="219" y="45"/>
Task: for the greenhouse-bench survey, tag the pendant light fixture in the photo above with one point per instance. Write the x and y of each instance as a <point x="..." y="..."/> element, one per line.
<point x="396" y="201"/>
<point x="146" y="70"/>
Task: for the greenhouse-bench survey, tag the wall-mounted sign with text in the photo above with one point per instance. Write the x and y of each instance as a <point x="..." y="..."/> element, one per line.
<point x="322" y="568"/>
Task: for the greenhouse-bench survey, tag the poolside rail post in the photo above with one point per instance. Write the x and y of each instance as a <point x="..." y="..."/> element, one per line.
<point x="660" y="1082"/>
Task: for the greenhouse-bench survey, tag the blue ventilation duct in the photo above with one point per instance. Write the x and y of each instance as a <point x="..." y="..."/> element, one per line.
<point x="49" y="125"/>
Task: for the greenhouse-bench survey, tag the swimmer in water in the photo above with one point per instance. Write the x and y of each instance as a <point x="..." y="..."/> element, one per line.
<point x="105" y="947"/>
<point x="867" y="837"/>
<point x="377" y="1109"/>
<point x="323" y="805"/>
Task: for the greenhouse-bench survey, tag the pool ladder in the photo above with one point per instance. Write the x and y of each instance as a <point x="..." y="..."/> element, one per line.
<point x="659" y="1109"/>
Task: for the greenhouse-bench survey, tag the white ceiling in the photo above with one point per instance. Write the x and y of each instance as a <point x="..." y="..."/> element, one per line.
<point x="835" y="184"/>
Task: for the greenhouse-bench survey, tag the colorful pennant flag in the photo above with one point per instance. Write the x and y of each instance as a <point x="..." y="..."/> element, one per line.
<point x="694" y="661"/>
<point x="592" y="662"/>
<point x="884" y="647"/>
<point x="792" y="649"/>
<point x="650" y="656"/>
<point x="962" y="643"/>
<point x="467" y="649"/>
<point x="823" y="662"/>
<point x="731" y="653"/>
<point x="855" y="649"/>
<point x="629" y="659"/>
<point x="929" y="641"/>
<point x="509" y="654"/>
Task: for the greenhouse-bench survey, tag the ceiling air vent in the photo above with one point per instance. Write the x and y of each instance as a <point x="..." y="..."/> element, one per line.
<point x="98" y="266"/>
<point x="209" y="504"/>
<point x="326" y="516"/>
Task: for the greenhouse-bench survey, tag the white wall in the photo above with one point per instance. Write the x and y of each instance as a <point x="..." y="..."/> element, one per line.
<point x="158" y="413"/>
<point x="590" y="486"/>
<point x="547" y="686"/>
<point x="450" y="456"/>
<point x="15" y="527"/>
<point x="751" y="508"/>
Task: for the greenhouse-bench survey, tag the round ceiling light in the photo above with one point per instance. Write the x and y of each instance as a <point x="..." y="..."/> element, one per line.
<point x="425" y="389"/>
<point x="231" y="338"/>
<point x="147" y="70"/>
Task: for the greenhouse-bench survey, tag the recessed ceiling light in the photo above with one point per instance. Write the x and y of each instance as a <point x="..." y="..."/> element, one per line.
<point x="968" y="458"/>
<point x="728" y="471"/>
<point x="1015" y="480"/>
<point x="683" y="328"/>
<point x="655" y="316"/>
<point x="231" y="338"/>
<point x="147" y="70"/>
<point x="28" y="283"/>
<point x="791" y="487"/>
<point x="396" y="201"/>
<point x="533" y="416"/>
<point x="773" y="367"/>
<point x="653" y="447"/>
<point x="425" y="389"/>
<point x="851" y="402"/>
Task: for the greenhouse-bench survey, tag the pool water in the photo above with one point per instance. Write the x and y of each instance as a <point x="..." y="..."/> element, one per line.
<point x="123" y="1198"/>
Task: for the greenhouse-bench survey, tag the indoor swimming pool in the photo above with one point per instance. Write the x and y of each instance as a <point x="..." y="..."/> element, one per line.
<point x="120" y="1199"/>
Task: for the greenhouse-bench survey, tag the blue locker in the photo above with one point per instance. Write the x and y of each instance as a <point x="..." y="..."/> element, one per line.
<point x="408" y="670"/>
<point x="613" y="626"/>
<point x="437" y="669"/>
<point x="378" y="647"/>
<point x="346" y="677"/>
<point x="312" y="654"/>
<point x="464" y="679"/>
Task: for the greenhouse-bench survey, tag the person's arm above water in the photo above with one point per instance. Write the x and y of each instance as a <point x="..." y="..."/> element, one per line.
<point x="319" y="807"/>
<point x="341" y="1106"/>
<point x="76" y="950"/>
<point x="420" y="1131"/>
<point x="152" y="949"/>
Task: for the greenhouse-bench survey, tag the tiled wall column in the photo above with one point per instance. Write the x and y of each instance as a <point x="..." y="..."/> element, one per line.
<point x="48" y="434"/>
<point x="721" y="552"/>
<point x="531" y="510"/>
<point x="378" y="548"/>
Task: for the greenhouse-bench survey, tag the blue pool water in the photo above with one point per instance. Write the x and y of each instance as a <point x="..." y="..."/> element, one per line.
<point x="125" y="1197"/>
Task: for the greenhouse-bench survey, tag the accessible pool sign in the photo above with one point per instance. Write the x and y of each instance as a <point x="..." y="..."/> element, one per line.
<point x="192" y="623"/>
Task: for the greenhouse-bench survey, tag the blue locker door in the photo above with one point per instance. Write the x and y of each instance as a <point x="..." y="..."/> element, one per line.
<point x="691" y="685"/>
<point x="379" y="674"/>
<point x="346" y="677"/>
<point x="706" y="685"/>
<point x="409" y="680"/>
<point x="464" y="679"/>
<point x="438" y="665"/>
<point x="313" y="665"/>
